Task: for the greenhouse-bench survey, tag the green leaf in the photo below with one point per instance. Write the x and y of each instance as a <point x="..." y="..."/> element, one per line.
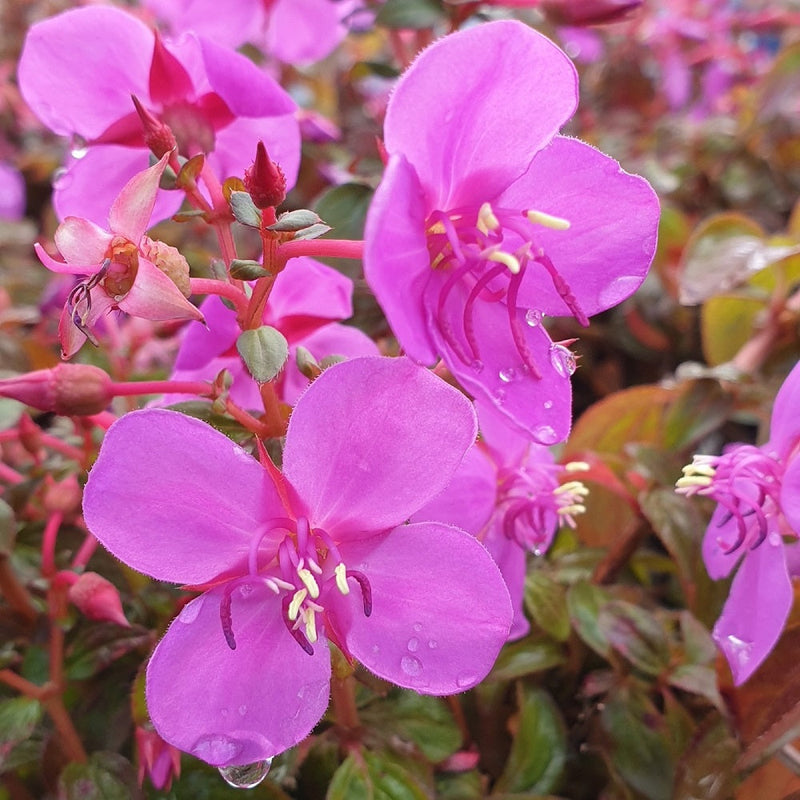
<point x="641" y="750"/>
<point x="106" y="776"/>
<point x="697" y="679"/>
<point x="264" y="352"/>
<point x="190" y="171"/>
<point x="18" y="720"/>
<point x="245" y="210"/>
<point x="295" y="220"/>
<point x="410" y="14"/>
<point x="313" y="231"/>
<point x="374" y="776"/>
<point x="726" y="323"/>
<point x="707" y="768"/>
<point x="460" y="786"/>
<point x="539" y="749"/>
<point x="701" y="408"/>
<point x="8" y="529"/>
<point x="547" y="602"/>
<point x="525" y="657"/>
<point x="246" y="270"/>
<point x="584" y="601"/>
<point x="344" y="208"/>
<point x="412" y="717"/>
<point x="636" y="634"/>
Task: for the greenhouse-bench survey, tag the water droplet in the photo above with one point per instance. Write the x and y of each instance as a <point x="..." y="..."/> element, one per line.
<point x="738" y="650"/>
<point x="417" y="627"/>
<point x="477" y="365"/>
<point x="545" y="434"/>
<point x="62" y="179"/>
<point x="241" y="454"/>
<point x="500" y="397"/>
<point x="563" y="360"/>
<point x="410" y="665"/>
<point x="433" y="644"/>
<point x="775" y="539"/>
<point x="245" y="589"/>
<point x="78" y="147"/>
<point x="466" y="679"/>
<point x="533" y="317"/>
<point x="376" y="649"/>
<point x="508" y="374"/>
<point x="548" y="404"/>
<point x="413" y="644"/>
<point x="537" y="551"/>
<point x="216" y="748"/>
<point x="246" y="776"/>
<point x="242" y="710"/>
<point x="191" y="610"/>
<point x="620" y="288"/>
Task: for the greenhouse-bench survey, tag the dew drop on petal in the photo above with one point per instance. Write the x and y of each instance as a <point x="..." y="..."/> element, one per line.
<point x="624" y="286"/>
<point x="466" y="679"/>
<point x="191" y="610"/>
<point x="433" y="644"/>
<point x="477" y="365"/>
<point x="548" y="404"/>
<point x="246" y="776"/>
<point x="533" y="317"/>
<point x="500" y="396"/>
<point x="563" y="360"/>
<point x="242" y="710"/>
<point x="508" y="374"/>
<point x="216" y="748"/>
<point x="738" y="650"/>
<point x="417" y="627"/>
<point x="411" y="665"/>
<point x="245" y="589"/>
<point x="413" y="644"/>
<point x="775" y="539"/>
<point x="545" y="434"/>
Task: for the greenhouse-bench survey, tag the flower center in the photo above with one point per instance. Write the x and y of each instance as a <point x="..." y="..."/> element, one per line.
<point x="746" y="483"/>
<point x="485" y="255"/>
<point x="304" y="567"/>
<point x="192" y="129"/>
<point x="534" y="504"/>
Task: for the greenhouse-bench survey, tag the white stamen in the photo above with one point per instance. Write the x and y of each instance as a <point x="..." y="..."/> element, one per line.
<point x="341" y="578"/>
<point x="548" y="220"/>
<point x="311" y="625"/>
<point x="693" y="481"/>
<point x="487" y="221"/>
<point x="576" y="466"/>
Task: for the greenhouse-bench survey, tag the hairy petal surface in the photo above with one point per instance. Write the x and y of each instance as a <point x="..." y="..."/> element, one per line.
<point x="396" y="258"/>
<point x="756" y="610"/>
<point x="440" y="608"/>
<point x="790" y="491"/>
<point x="235" y="706"/>
<point x="372" y="440"/>
<point x="785" y="424"/>
<point x="174" y="498"/>
<point x="605" y="254"/>
<point x="492" y="96"/>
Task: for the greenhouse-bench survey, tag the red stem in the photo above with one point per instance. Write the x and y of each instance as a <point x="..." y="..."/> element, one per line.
<point x="321" y="248"/>
<point x="208" y="286"/>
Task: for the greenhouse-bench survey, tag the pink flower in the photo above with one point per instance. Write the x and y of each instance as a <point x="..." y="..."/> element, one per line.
<point x="507" y="493"/>
<point x="293" y="31"/>
<point x="214" y="100"/>
<point x="756" y="525"/>
<point x="158" y="760"/>
<point x="119" y="265"/>
<point x="12" y="193"/>
<point x="304" y="302"/>
<point x="323" y="552"/>
<point x="486" y="219"/>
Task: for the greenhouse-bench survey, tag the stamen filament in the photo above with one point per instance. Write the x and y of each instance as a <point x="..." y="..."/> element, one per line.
<point x="548" y="220"/>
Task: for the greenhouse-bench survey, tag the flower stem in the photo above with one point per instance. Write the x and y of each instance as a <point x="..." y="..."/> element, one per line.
<point x="133" y="388"/>
<point x="208" y="286"/>
<point x="15" y="593"/>
<point x="321" y="248"/>
<point x="343" y="698"/>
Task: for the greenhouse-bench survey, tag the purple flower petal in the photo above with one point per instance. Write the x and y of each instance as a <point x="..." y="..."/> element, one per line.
<point x="175" y="499"/>
<point x="71" y="73"/>
<point x="468" y="500"/>
<point x="82" y="242"/>
<point x="201" y="343"/>
<point x="154" y="296"/>
<point x="303" y="31"/>
<point x="372" y="440"/>
<point x="235" y="706"/>
<point x="785" y="425"/>
<point x="131" y="211"/>
<point x="230" y="29"/>
<point x="440" y="608"/>
<point x="756" y="610"/>
<point x="605" y="254"/>
<point x="396" y="258"/>
<point x="790" y="490"/>
<point x="719" y="554"/>
<point x="62" y="267"/>
<point x="491" y="96"/>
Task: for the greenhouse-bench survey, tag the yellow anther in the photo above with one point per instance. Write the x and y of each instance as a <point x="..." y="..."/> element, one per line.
<point x="699" y="468"/>
<point x="309" y="582"/>
<point x="692" y="481"/>
<point x="311" y="625"/>
<point x="571" y="511"/>
<point x="340" y="572"/>
<point x="572" y="487"/>
<point x="576" y="466"/>
<point x="487" y="221"/>
<point x="297" y="601"/>
<point x="548" y="220"/>
<point x="507" y="259"/>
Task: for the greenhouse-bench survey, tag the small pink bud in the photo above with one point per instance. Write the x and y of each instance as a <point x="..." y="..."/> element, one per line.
<point x="157" y="759"/>
<point x="97" y="599"/>
<point x="62" y="496"/>
<point x="158" y="136"/>
<point x="30" y="434"/>
<point x="265" y="181"/>
<point x="67" y="389"/>
<point x="589" y="12"/>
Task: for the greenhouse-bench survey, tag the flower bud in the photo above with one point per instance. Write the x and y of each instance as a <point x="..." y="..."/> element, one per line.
<point x="159" y="760"/>
<point x="67" y="389"/>
<point x="97" y="599"/>
<point x="170" y="261"/>
<point x="158" y="136"/>
<point x="61" y="496"/>
<point x="589" y="12"/>
<point x="265" y="181"/>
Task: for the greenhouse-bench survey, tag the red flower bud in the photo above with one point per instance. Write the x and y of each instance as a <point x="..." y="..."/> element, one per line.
<point x="67" y="389"/>
<point x="265" y="181"/>
<point x="62" y="496"/>
<point x="158" y="136"/>
<point x="159" y="760"/>
<point x="98" y="599"/>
